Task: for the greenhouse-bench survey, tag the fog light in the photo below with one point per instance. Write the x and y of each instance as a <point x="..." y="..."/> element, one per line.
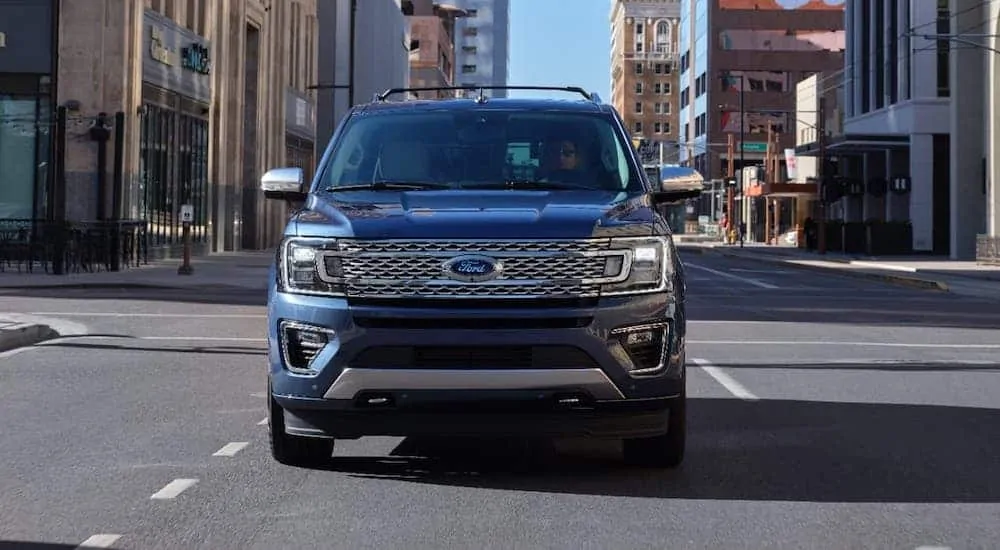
<point x="301" y="343"/>
<point x="645" y="346"/>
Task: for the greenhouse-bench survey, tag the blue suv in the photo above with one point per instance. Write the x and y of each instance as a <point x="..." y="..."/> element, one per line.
<point x="476" y="266"/>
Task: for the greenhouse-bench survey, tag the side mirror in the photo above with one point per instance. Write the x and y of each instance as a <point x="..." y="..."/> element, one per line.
<point x="284" y="184"/>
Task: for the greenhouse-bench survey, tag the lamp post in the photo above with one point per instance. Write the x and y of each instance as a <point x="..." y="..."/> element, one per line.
<point x="742" y="148"/>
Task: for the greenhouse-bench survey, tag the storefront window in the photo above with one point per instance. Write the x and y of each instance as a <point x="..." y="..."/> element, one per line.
<point x="174" y="168"/>
<point x="19" y="159"/>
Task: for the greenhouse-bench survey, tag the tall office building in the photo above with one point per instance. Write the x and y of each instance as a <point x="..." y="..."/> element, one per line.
<point x="760" y="49"/>
<point x="482" y="45"/>
<point x="644" y="70"/>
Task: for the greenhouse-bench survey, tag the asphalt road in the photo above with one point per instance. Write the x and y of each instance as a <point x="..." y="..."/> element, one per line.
<point x="826" y="412"/>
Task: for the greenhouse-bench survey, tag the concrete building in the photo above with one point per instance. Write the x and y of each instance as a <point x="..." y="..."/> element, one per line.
<point x="432" y="45"/>
<point x="482" y="45"/>
<point x="644" y="73"/>
<point x="759" y="48"/>
<point x="381" y="49"/>
<point x="989" y="241"/>
<point x="914" y="168"/>
<point x="205" y="89"/>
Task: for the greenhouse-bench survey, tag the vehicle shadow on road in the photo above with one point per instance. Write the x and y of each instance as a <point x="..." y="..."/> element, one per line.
<point x="777" y="450"/>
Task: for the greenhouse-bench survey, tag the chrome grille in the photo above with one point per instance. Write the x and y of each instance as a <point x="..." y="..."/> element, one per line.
<point x="531" y="269"/>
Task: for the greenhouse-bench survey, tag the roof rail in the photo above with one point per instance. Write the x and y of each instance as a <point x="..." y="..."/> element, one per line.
<point x="589" y="96"/>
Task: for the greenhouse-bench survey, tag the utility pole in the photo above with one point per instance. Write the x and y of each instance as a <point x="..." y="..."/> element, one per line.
<point x="821" y="176"/>
<point x="731" y="185"/>
<point x="740" y="227"/>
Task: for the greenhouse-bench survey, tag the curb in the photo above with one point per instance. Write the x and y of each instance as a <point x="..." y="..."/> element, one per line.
<point x="127" y="286"/>
<point x="24" y="335"/>
<point x="900" y="280"/>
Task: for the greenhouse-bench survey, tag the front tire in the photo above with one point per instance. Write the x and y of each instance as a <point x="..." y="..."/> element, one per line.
<point x="291" y="450"/>
<point x="664" y="451"/>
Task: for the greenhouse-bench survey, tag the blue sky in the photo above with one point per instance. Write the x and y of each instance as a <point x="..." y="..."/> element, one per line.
<point x="554" y="44"/>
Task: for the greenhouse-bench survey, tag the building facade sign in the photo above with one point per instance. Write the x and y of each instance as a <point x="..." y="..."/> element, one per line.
<point x="26" y="37"/>
<point x="300" y="115"/>
<point x="175" y="58"/>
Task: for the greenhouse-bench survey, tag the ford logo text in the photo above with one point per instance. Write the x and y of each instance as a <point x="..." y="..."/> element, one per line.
<point x="472" y="269"/>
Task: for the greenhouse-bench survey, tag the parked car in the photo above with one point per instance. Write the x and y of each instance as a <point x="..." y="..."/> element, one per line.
<point x="475" y="267"/>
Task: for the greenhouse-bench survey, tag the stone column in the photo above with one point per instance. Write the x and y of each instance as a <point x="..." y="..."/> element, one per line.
<point x="922" y="191"/>
<point x="95" y="70"/>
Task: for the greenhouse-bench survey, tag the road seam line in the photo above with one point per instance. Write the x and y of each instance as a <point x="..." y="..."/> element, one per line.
<point x="723" y="274"/>
<point x="174" y="488"/>
<point x="828" y="343"/>
<point x="99" y="541"/>
<point x="230" y="449"/>
<point x="725" y="380"/>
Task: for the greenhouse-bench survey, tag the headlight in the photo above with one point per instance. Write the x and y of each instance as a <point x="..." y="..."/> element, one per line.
<point x="644" y="266"/>
<point x="306" y="269"/>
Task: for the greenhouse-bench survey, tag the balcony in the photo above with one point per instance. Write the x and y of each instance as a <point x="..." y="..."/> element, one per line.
<point x="659" y="54"/>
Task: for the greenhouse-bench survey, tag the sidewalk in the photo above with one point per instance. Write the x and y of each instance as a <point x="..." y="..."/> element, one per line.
<point x="918" y="272"/>
<point x="245" y="270"/>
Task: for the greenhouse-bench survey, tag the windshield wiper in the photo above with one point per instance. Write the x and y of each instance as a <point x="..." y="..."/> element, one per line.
<point x="389" y="186"/>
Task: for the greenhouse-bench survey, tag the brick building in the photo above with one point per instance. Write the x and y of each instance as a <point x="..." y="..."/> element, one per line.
<point x="644" y="73"/>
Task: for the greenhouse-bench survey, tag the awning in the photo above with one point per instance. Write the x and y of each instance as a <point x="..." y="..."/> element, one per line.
<point x="782" y="190"/>
<point x="855" y="144"/>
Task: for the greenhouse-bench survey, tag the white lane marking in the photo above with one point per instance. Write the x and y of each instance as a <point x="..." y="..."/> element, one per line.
<point x="262" y="422"/>
<point x="828" y="343"/>
<point x="230" y="449"/>
<point x="747" y="280"/>
<point x="887" y="267"/>
<point x="174" y="488"/>
<point x="175" y="315"/>
<point x="99" y="541"/>
<point x="725" y="380"/>
<point x="764" y="271"/>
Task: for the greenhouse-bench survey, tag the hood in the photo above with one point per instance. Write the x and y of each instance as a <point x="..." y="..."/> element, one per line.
<point x="474" y="214"/>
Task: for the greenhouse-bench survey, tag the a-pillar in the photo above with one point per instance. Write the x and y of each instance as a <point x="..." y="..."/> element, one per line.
<point x="967" y="83"/>
<point x="922" y="191"/>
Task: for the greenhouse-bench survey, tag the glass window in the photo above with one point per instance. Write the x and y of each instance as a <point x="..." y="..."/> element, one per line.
<point x="482" y="149"/>
<point x="18" y="131"/>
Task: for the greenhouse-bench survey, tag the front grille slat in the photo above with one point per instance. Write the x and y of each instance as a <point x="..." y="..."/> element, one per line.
<point x="415" y="269"/>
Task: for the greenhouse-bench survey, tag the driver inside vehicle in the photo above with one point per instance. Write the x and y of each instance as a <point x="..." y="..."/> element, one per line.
<point x="568" y="160"/>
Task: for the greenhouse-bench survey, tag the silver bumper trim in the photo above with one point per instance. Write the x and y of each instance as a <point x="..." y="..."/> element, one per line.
<point x="594" y="381"/>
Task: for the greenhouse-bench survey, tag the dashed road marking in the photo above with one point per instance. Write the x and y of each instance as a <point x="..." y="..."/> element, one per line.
<point x="99" y="541"/>
<point x="230" y="449"/>
<point x="174" y="488"/>
<point x="725" y="380"/>
<point x="747" y="280"/>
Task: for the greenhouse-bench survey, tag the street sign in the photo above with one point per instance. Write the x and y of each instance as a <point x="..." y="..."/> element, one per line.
<point x="187" y="213"/>
<point x="754" y="147"/>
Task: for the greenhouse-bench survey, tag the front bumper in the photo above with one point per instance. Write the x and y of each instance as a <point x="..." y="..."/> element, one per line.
<point x="572" y="378"/>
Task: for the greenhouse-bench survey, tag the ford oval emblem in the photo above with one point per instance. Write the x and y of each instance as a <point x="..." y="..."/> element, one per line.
<point x="472" y="269"/>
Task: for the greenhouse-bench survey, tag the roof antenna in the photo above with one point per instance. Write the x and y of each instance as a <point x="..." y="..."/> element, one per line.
<point x="482" y="96"/>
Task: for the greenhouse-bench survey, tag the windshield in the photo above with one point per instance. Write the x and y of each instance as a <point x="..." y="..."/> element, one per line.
<point x="483" y="148"/>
